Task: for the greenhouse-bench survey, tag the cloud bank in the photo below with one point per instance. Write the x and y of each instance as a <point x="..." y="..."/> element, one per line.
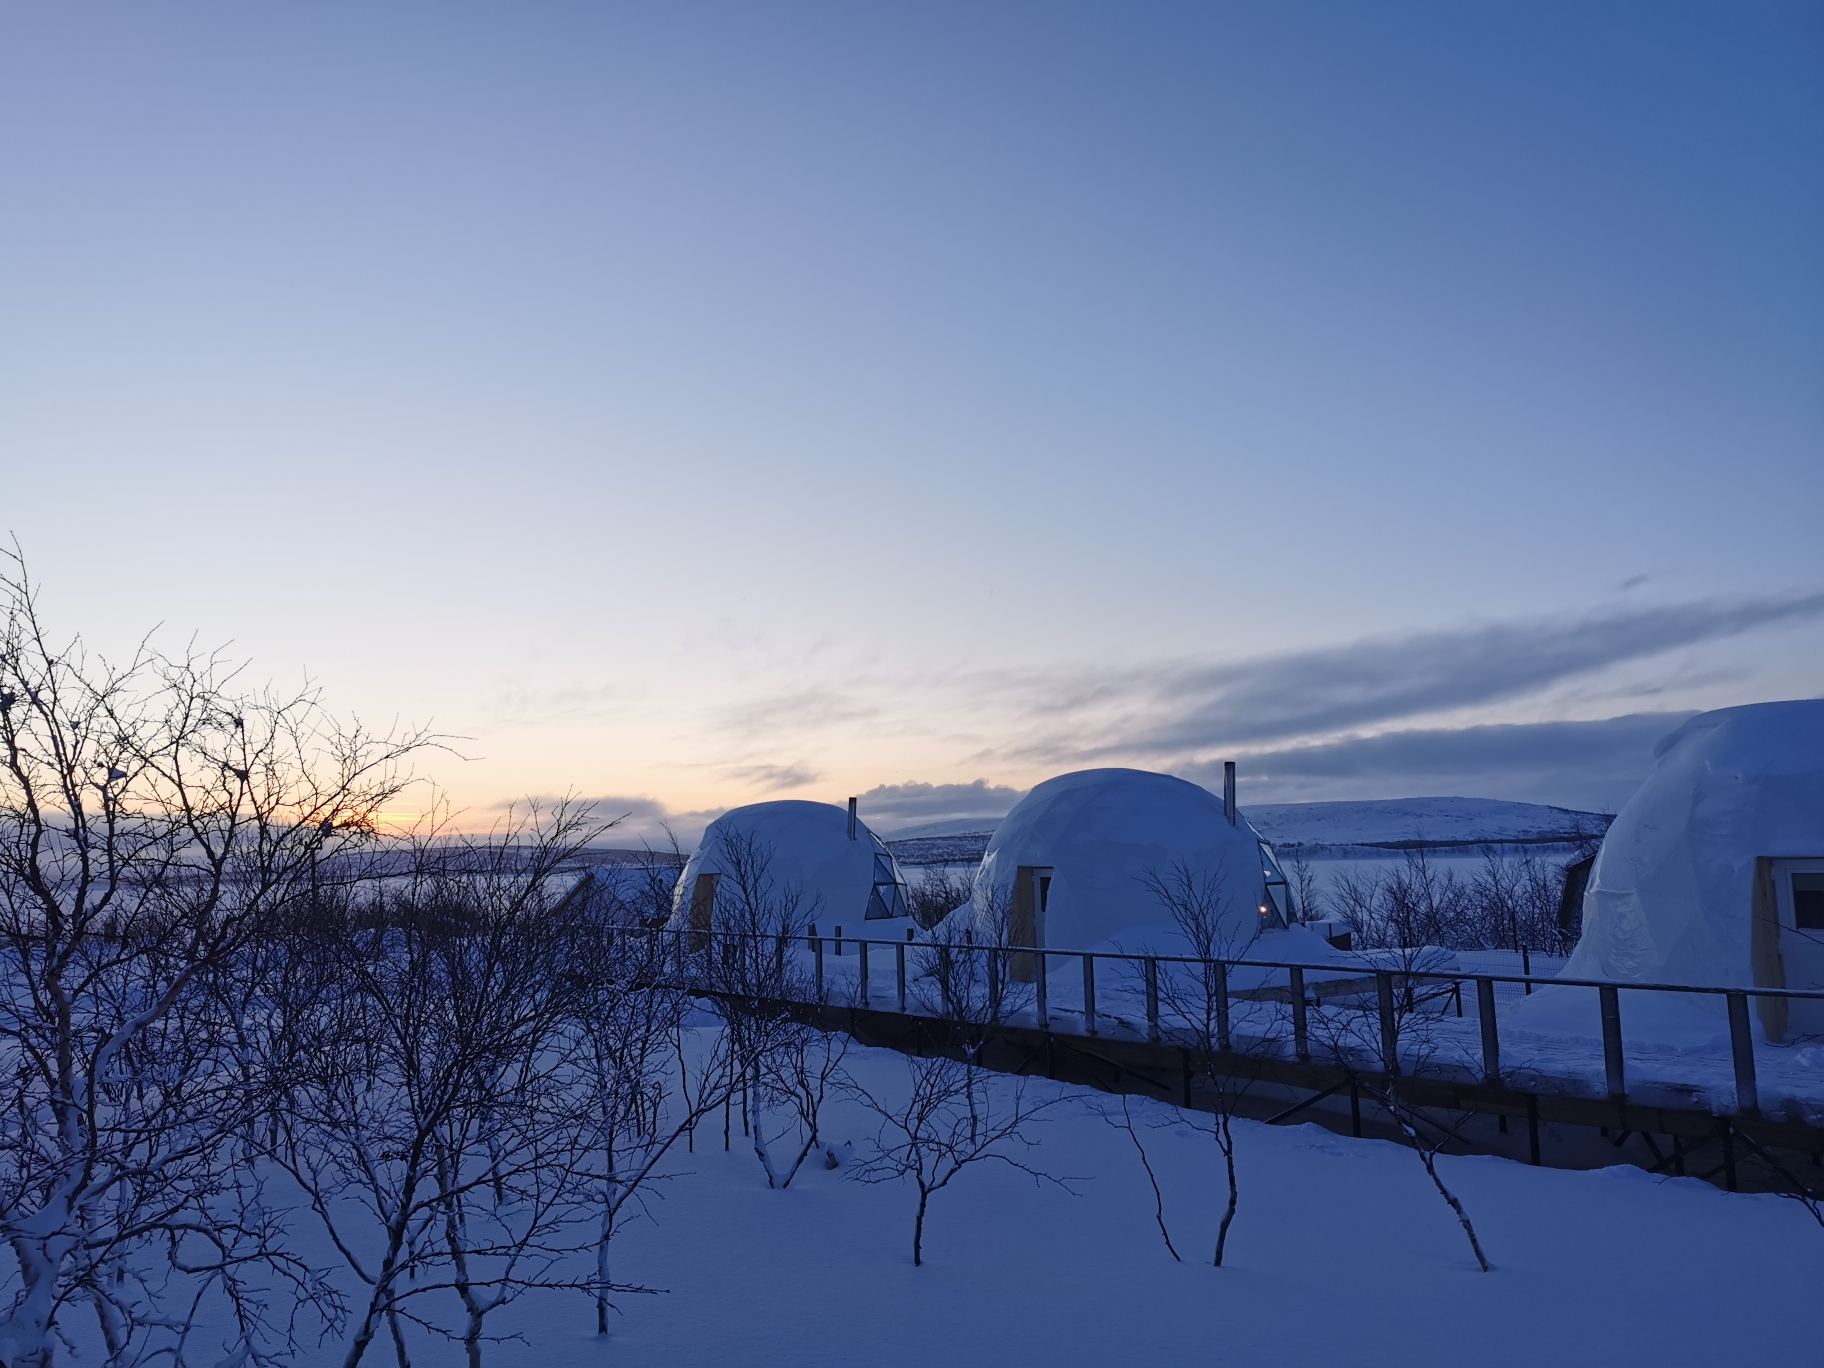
<point x="1183" y="709"/>
<point x="1591" y="765"/>
<point x="1358" y="720"/>
<point x="891" y="807"/>
<point x="1595" y="766"/>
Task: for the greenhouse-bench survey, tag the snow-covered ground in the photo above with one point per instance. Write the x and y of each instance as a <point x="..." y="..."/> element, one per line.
<point x="1342" y="1254"/>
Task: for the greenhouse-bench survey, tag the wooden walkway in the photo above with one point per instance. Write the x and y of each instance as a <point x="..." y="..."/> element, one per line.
<point x="1554" y="1126"/>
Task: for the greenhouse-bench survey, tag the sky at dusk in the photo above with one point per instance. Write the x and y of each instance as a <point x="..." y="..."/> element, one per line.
<point x="691" y="404"/>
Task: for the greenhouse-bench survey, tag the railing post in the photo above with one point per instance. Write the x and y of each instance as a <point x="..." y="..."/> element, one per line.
<point x="817" y="947"/>
<point x="861" y="967"/>
<point x="1612" y="1065"/>
<point x="1089" y="993"/>
<point x="1526" y="967"/>
<point x="967" y="973"/>
<point x="1301" y="1044"/>
<point x="1222" y="1006"/>
<point x="1040" y="1006"/>
<point x="1390" y="1035"/>
<point x="1152" y="999"/>
<point x="899" y="954"/>
<point x="1491" y="1040"/>
<point x="839" y="940"/>
<point x="1741" y="1044"/>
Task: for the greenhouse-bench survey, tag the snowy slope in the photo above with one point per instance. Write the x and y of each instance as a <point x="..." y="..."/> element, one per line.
<point x="1342" y="1253"/>
<point x="1398" y="823"/>
<point x="958" y="826"/>
<point x="940" y="850"/>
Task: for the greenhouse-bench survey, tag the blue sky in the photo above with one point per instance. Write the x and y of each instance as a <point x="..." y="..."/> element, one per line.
<point x="688" y="404"/>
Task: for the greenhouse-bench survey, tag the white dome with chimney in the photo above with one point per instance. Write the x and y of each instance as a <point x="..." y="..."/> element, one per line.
<point x="787" y="863"/>
<point x="1076" y="865"/>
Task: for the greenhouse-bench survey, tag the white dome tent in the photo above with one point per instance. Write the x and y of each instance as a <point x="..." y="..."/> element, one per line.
<point x="802" y="860"/>
<point x="1072" y="867"/>
<point x="1713" y="873"/>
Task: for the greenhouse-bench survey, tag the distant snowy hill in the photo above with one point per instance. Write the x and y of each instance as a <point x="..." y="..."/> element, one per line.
<point x="966" y="848"/>
<point x="958" y="841"/>
<point x="1329" y="830"/>
<point x="1405" y="823"/>
<point x="957" y="826"/>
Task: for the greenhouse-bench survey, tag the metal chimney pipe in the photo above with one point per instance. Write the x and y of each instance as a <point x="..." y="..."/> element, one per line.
<point x="1228" y="791"/>
<point x="854" y="801"/>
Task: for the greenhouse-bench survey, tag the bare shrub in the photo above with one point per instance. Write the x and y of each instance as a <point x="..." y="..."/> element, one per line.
<point x="1308" y="902"/>
<point x="1511" y="902"/>
<point x="431" y="1114"/>
<point x="1377" y="1038"/>
<point x="1219" y="924"/>
<point x="643" y="894"/>
<point x="969" y="977"/>
<point x="155" y="821"/>
<point x="948" y="1122"/>
<point x="1516" y="901"/>
<point x="753" y="978"/>
<point x="940" y="890"/>
<point x="1416" y="904"/>
<point x="797" y="1077"/>
<point x="632" y="1029"/>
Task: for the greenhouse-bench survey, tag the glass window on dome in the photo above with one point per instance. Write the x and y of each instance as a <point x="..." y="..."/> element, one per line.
<point x="1808" y="901"/>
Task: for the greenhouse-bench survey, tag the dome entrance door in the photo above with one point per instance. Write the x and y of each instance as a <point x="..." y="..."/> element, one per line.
<point x="1798" y="890"/>
<point x="702" y="909"/>
<point x="1026" y="918"/>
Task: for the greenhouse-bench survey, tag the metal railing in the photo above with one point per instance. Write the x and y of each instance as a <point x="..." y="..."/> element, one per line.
<point x="1391" y="984"/>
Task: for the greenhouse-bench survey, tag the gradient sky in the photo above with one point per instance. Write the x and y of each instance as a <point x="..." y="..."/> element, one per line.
<point x="690" y="404"/>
